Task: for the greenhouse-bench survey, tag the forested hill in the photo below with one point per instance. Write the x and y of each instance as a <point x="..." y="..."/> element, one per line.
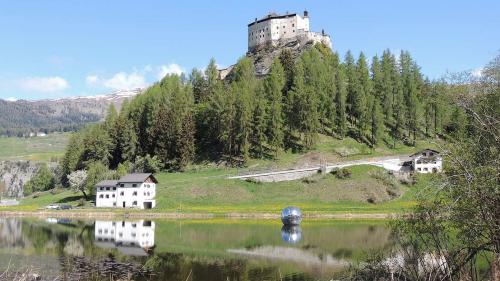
<point x="381" y="101"/>
<point x="19" y="118"/>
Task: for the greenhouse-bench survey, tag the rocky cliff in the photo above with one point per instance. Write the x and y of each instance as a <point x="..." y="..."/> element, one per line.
<point x="14" y="174"/>
<point x="263" y="56"/>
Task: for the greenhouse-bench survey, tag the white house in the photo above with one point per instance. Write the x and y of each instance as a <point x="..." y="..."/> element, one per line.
<point x="427" y="161"/>
<point x="133" y="238"/>
<point x="130" y="191"/>
<point x="274" y="27"/>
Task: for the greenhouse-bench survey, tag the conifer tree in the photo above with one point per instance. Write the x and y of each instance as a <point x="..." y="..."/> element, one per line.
<point x="260" y="122"/>
<point x="362" y="94"/>
<point x="388" y="77"/>
<point x="341" y="119"/>
<point x="274" y="85"/>
<point x="376" y="126"/>
<point x="288" y="65"/>
<point x="352" y="81"/>
<point x="305" y="103"/>
<point x="244" y="86"/>
<point x="212" y="78"/>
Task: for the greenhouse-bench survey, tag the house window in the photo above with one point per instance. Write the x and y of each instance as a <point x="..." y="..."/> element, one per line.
<point x="101" y="196"/>
<point x="114" y="188"/>
<point x="134" y="203"/>
<point x="134" y="225"/>
<point x="107" y="195"/>
<point x="114" y="205"/>
<point x="425" y="169"/>
<point x="135" y="193"/>
<point x="134" y="185"/>
<point x="122" y="185"/>
<point x="419" y="169"/>
<point x="293" y="24"/>
<point x="113" y="196"/>
<point x="107" y="188"/>
<point x="122" y="193"/>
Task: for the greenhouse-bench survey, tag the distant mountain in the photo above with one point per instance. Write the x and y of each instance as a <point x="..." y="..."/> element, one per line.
<point x="22" y="117"/>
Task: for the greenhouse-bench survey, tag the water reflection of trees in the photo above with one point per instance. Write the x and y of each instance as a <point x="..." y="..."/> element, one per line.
<point x="199" y="250"/>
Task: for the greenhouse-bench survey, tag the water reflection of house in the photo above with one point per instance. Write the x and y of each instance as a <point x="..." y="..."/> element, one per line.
<point x="132" y="238"/>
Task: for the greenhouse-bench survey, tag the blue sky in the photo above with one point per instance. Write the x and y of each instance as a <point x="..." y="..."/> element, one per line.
<point x="60" y="48"/>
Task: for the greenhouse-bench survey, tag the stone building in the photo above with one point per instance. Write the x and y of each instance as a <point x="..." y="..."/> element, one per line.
<point x="273" y="28"/>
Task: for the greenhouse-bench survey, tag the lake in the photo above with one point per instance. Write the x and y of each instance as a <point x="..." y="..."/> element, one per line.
<point x="217" y="249"/>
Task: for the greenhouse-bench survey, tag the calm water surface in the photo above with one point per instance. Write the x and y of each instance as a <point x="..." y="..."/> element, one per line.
<point x="187" y="249"/>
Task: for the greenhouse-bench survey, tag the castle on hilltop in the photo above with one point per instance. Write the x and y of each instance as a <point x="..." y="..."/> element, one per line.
<point x="274" y="28"/>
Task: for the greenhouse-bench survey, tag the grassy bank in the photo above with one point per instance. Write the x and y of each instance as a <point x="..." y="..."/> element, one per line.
<point x="204" y="189"/>
<point x="208" y="192"/>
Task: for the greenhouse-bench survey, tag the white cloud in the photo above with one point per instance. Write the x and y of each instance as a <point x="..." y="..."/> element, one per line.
<point x="172" y="68"/>
<point x="43" y="84"/>
<point x="119" y="81"/>
<point x="92" y="79"/>
<point x="11" y="99"/>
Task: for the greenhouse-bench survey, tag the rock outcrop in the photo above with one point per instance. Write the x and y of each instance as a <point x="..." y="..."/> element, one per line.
<point x="263" y="56"/>
<point x="14" y="174"/>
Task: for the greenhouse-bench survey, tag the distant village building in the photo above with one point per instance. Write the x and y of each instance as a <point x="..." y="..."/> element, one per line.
<point x="132" y="238"/>
<point x="427" y="161"/>
<point x="130" y="191"/>
<point x="274" y="27"/>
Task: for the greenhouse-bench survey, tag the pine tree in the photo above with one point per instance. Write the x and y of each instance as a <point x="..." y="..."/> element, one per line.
<point x="288" y="65"/>
<point x="212" y="79"/>
<point x="199" y="85"/>
<point x="244" y="85"/>
<point x="352" y="82"/>
<point x="388" y="77"/>
<point x="341" y="119"/>
<point x="260" y="122"/>
<point x="362" y="94"/>
<point x="376" y="122"/>
<point x="274" y="84"/>
<point x="305" y="104"/>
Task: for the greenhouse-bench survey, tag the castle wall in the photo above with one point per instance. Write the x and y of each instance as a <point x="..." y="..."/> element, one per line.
<point x="277" y="28"/>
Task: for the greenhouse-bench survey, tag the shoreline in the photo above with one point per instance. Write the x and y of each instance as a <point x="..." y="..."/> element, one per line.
<point x="175" y="215"/>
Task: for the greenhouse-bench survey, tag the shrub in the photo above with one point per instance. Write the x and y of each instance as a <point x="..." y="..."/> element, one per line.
<point x="389" y="180"/>
<point x="343" y="173"/>
<point x="253" y="180"/>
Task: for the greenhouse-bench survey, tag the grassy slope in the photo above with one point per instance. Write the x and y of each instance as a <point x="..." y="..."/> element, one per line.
<point x="38" y="148"/>
<point x="205" y="189"/>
